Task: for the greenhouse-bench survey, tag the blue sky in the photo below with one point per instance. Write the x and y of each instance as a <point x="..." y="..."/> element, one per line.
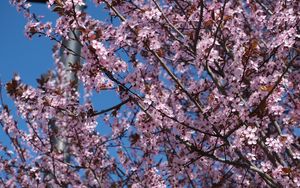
<point x="29" y="58"/>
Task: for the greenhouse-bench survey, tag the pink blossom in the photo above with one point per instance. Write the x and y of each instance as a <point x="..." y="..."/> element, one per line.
<point x="205" y="95"/>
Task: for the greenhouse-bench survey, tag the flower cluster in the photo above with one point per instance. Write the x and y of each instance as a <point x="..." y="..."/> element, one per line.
<point x="208" y="97"/>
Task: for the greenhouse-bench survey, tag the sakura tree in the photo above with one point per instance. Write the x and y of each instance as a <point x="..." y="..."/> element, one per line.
<point x="209" y="90"/>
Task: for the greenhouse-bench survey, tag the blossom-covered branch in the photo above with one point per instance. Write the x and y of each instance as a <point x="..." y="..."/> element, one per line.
<point x="209" y="96"/>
